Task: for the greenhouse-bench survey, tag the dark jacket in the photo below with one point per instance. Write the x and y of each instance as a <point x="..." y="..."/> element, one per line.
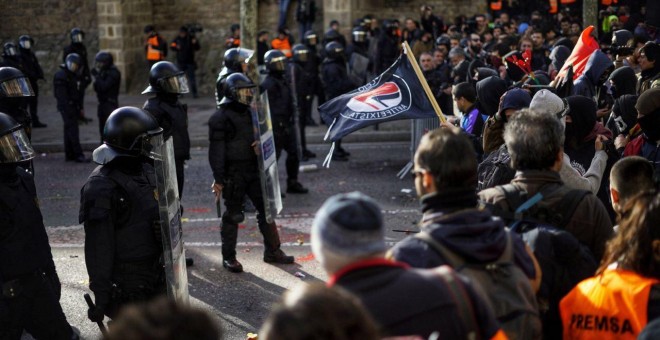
<point x="106" y="85"/>
<point x="280" y="97"/>
<point x="31" y="67"/>
<point x="489" y="92"/>
<point x="81" y="50"/>
<point x="335" y="78"/>
<point x="185" y="48"/>
<point x="231" y="136"/>
<point x="403" y="301"/>
<point x="172" y="116"/>
<point x="306" y="11"/>
<point x="625" y="81"/>
<point x="590" y="223"/>
<point x="68" y="89"/>
<point x="587" y="83"/>
<point x="647" y="78"/>
<point x="453" y="219"/>
<point x="387" y="50"/>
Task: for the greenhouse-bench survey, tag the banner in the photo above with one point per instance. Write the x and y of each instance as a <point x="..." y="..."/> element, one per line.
<point x="583" y="49"/>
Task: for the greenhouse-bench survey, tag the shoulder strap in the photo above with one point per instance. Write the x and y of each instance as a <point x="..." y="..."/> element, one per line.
<point x="507" y="254"/>
<point x="454" y="260"/>
<point x="569" y="204"/>
<point x="461" y="298"/>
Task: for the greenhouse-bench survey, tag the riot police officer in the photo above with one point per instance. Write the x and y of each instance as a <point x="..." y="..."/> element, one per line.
<point x="119" y="209"/>
<point x="168" y="82"/>
<point x="235" y="60"/>
<point x="33" y="71"/>
<point x="68" y="85"/>
<point x="312" y="69"/>
<point x="10" y="56"/>
<point x="107" y="79"/>
<point x="30" y="294"/>
<point x="304" y="92"/>
<point x="280" y="99"/>
<point x="77" y="35"/>
<point x="14" y="89"/>
<point x="233" y="160"/>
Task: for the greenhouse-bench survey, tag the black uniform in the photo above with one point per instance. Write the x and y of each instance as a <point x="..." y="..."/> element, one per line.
<point x="106" y="85"/>
<point x="85" y="75"/>
<point x="234" y="165"/>
<point x="68" y="89"/>
<point x="30" y="286"/>
<point x="303" y="95"/>
<point x="33" y="71"/>
<point x="119" y="208"/>
<point x="280" y="100"/>
<point x="312" y="78"/>
<point x="185" y="57"/>
<point x="172" y="116"/>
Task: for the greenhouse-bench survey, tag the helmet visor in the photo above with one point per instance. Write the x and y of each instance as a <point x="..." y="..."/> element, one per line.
<point x="15" y="147"/>
<point x="175" y="84"/>
<point x="277" y="64"/>
<point x="244" y="55"/>
<point x="17" y="87"/>
<point x="77" y="38"/>
<point x="11" y="50"/>
<point x="150" y="144"/>
<point x="311" y="39"/>
<point x="25" y="44"/>
<point x="359" y="36"/>
<point x="245" y="95"/>
<point x="72" y="66"/>
<point x="301" y="55"/>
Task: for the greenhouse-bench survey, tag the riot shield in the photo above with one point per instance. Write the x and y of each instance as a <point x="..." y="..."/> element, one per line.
<point x="358" y="65"/>
<point x="267" y="159"/>
<point x="296" y="110"/>
<point x="174" y="258"/>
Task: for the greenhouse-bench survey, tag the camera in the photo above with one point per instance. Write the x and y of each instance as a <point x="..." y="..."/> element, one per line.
<point x="623" y="51"/>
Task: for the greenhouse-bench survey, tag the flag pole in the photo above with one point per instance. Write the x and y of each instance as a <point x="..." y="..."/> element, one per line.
<point x="408" y="51"/>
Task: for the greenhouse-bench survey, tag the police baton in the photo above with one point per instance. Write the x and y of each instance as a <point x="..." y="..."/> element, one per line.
<point x="90" y="303"/>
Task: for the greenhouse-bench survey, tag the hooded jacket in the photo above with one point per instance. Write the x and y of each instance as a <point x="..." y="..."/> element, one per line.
<point x="452" y="218"/>
<point x="489" y="92"/>
<point x="624" y="115"/>
<point x="587" y="83"/>
<point x="625" y="81"/>
<point x="558" y="56"/>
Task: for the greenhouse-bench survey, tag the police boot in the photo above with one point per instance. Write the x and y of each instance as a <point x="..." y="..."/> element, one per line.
<point x="294" y="187"/>
<point x="233" y="265"/>
<point x="273" y="253"/>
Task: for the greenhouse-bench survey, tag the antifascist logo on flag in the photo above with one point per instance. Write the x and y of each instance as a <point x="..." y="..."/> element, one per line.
<point x="396" y="94"/>
<point x="385" y="101"/>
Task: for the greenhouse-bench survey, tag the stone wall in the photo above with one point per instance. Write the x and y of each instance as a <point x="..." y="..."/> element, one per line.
<point x="49" y="23"/>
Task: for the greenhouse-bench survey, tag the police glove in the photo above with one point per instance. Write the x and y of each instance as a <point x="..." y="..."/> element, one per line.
<point x="95" y="314"/>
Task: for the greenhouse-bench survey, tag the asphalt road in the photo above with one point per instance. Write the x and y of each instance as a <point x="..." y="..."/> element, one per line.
<point x="241" y="302"/>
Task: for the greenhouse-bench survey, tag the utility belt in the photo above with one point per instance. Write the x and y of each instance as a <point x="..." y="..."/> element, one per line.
<point x="137" y="280"/>
<point x="13" y="288"/>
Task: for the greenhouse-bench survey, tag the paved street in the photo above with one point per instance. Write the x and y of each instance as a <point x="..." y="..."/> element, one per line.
<point x="240" y="301"/>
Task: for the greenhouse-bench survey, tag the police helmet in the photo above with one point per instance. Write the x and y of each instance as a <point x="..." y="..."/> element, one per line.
<point x="300" y="53"/>
<point x="310" y="38"/>
<point x="390" y="27"/>
<point x="275" y="61"/>
<point x="77" y="35"/>
<point x="236" y="57"/>
<point x="165" y="77"/>
<point x="13" y="83"/>
<point x="359" y="34"/>
<point x="443" y="40"/>
<point x="9" y="50"/>
<point x="331" y="35"/>
<point x="73" y="62"/>
<point x="14" y="144"/>
<point x="129" y="131"/>
<point x="103" y="60"/>
<point x="334" y="50"/>
<point x="239" y="89"/>
<point x="25" y="42"/>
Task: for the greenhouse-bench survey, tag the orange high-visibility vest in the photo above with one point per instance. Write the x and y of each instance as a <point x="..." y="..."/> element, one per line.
<point x="283" y="45"/>
<point x="496" y="5"/>
<point x="609" y="2"/>
<point x="566" y="2"/>
<point x="612" y="305"/>
<point x="153" y="53"/>
<point x="553" y="6"/>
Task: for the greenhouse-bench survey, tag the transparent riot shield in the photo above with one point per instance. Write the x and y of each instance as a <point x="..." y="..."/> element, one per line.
<point x="170" y="216"/>
<point x="296" y="110"/>
<point x="267" y="159"/>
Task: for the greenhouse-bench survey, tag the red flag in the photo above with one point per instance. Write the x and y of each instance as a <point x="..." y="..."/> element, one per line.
<point x="585" y="46"/>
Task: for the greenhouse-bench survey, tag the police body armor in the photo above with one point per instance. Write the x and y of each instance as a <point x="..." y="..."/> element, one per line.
<point x="280" y="100"/>
<point x="239" y="139"/>
<point x="137" y="234"/>
<point x="24" y="245"/>
<point x="178" y="116"/>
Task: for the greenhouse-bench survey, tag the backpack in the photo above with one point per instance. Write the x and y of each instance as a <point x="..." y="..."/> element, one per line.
<point x="564" y="261"/>
<point x="504" y="284"/>
<point x="495" y="169"/>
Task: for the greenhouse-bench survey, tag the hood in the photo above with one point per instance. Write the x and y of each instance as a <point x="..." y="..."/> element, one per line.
<point x="583" y="115"/>
<point x="473" y="234"/>
<point x="624" y="114"/>
<point x="489" y="92"/>
<point x="625" y="81"/>
<point x="559" y="55"/>
<point x="516" y="98"/>
<point x="596" y="65"/>
<point x="485" y="72"/>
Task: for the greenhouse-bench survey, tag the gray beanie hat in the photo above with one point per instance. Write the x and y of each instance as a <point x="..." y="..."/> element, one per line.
<point x="348" y="226"/>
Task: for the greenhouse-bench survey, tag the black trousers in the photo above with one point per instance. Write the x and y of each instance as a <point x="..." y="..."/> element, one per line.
<point x="104" y="109"/>
<point x="33" y="101"/>
<point x="36" y="309"/>
<point x="179" y="163"/>
<point x="285" y="139"/>
<point x="72" y="148"/>
<point x="238" y="185"/>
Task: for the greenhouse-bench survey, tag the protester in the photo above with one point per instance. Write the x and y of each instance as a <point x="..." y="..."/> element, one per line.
<point x="646" y="145"/>
<point x="648" y="55"/>
<point x="185" y="45"/>
<point x="629" y="177"/>
<point x="473" y="120"/>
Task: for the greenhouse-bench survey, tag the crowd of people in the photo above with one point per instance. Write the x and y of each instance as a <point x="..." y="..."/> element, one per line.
<point x="539" y="194"/>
